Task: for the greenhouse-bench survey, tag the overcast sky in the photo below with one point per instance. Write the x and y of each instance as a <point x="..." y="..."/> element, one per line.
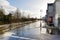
<point x="33" y="6"/>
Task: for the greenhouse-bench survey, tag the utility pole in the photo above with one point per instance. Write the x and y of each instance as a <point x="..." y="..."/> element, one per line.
<point x="40" y="21"/>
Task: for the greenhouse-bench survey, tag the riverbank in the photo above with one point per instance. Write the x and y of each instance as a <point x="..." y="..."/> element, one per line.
<point x="8" y="27"/>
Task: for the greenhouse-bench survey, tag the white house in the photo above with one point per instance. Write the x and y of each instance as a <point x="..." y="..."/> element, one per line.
<point x="50" y="11"/>
<point x="57" y="13"/>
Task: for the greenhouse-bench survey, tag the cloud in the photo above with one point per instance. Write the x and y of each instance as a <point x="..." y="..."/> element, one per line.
<point x="6" y="5"/>
<point x="50" y="1"/>
<point x="36" y="5"/>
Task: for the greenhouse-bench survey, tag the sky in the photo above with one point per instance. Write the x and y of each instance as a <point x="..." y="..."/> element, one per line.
<point x="35" y="8"/>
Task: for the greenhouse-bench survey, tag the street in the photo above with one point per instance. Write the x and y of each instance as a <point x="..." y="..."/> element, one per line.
<point x="29" y="32"/>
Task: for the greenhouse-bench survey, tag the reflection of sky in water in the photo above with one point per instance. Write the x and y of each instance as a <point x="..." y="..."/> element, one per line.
<point x="25" y="32"/>
<point x="28" y="32"/>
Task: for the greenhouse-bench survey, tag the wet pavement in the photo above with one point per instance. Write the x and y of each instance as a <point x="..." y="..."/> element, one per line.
<point x="29" y="32"/>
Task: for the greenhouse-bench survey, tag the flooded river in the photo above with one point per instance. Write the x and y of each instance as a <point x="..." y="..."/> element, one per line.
<point x="29" y="32"/>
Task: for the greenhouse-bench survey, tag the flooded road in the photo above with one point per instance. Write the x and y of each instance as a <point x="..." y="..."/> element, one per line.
<point x="29" y="32"/>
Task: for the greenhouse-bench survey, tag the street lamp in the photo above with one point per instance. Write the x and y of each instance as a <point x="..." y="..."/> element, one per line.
<point x="40" y="20"/>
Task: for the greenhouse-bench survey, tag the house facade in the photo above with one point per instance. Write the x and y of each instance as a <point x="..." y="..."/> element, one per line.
<point x="50" y="11"/>
<point x="57" y="12"/>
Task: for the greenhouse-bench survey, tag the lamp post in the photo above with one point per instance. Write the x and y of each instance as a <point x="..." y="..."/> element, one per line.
<point x="40" y="21"/>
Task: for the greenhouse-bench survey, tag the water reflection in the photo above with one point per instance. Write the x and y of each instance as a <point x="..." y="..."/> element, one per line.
<point x="29" y="32"/>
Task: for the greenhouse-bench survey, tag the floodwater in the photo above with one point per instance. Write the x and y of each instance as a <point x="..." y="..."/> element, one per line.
<point x="29" y="32"/>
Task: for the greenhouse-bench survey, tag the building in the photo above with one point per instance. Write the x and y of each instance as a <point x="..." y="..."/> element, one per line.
<point x="54" y="10"/>
<point x="57" y="12"/>
<point x="50" y="11"/>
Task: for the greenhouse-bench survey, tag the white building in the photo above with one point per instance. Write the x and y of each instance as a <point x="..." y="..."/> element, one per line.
<point x="50" y="11"/>
<point x="57" y="11"/>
